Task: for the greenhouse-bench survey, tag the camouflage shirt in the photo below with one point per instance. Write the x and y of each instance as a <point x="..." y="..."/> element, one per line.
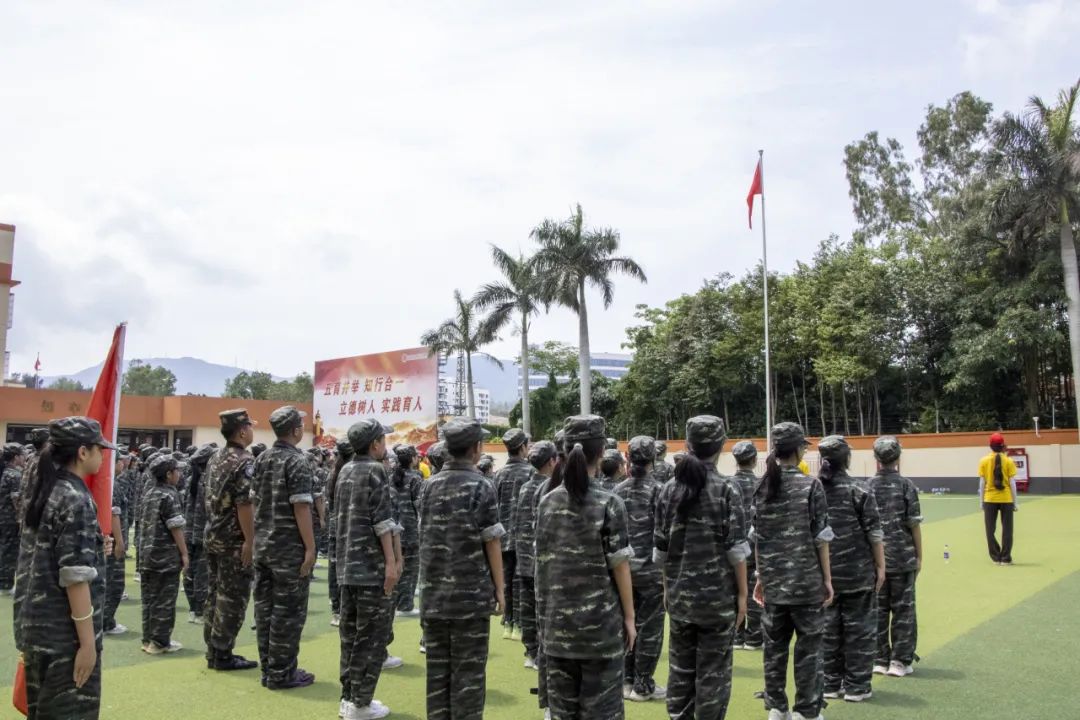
<point x="640" y="495"/>
<point x="699" y="552"/>
<point x="747" y="483"/>
<point x="65" y="550"/>
<point x="282" y="479"/>
<point x="362" y="515"/>
<point x="408" y="501"/>
<point x="29" y="476"/>
<point x="195" y="510"/>
<point x="228" y="485"/>
<point x="524" y="519"/>
<point x="853" y="517"/>
<point x="458" y="514"/>
<point x="508" y="482"/>
<point x="577" y="546"/>
<point x="10" y="481"/>
<point x="161" y="514"/>
<point x="663" y="472"/>
<point x="899" y="511"/>
<point x="120" y="504"/>
<point x="787" y="532"/>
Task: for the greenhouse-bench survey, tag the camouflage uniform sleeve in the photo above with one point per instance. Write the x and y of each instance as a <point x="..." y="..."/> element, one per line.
<point x="867" y="512"/>
<point x="616" y="535"/>
<point x="299" y="482"/>
<point x="819" y="515"/>
<point x="661" y="528"/>
<point x="243" y="494"/>
<point x="76" y="544"/>
<point x="738" y="549"/>
<point x="912" y="507"/>
<point x="169" y="511"/>
<point x="486" y="513"/>
<point x="382" y="515"/>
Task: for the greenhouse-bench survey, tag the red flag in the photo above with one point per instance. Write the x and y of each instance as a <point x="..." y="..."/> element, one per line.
<point x="105" y="408"/>
<point x="755" y="189"/>
<point x="37" y="363"/>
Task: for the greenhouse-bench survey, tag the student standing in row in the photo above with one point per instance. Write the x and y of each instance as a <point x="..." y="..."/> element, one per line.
<point x="583" y="584"/>
<point x="408" y="485"/>
<point x="748" y="634"/>
<point x="115" y="560"/>
<point x="11" y="464"/>
<point x="508" y="482"/>
<point x="791" y="538"/>
<point x="997" y="496"/>
<point x="542" y="458"/>
<point x="164" y="556"/>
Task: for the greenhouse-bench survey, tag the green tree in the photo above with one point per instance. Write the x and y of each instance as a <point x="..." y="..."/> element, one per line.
<point x="249" y="385"/>
<point x="554" y="359"/>
<point x="142" y="379"/>
<point x="515" y="299"/>
<point x="572" y="258"/>
<point x="466" y="332"/>
<point x="67" y="384"/>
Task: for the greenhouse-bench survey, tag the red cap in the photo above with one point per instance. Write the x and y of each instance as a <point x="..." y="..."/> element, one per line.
<point x="997" y="439"/>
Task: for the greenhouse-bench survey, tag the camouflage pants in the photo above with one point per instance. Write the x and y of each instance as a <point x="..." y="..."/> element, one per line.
<point x="9" y="554"/>
<point x="332" y="581"/>
<point x="405" y="591"/>
<point x="509" y="567"/>
<point x="363" y="640"/>
<point x="850" y="642"/>
<point x="457" y="653"/>
<point x="585" y="689"/>
<point x="281" y="602"/>
<point x="750" y="632"/>
<point x="114" y="589"/>
<point x="807" y="623"/>
<point x="228" y="589"/>
<point x="51" y="692"/>
<point x="699" y="670"/>
<point x="896" y="621"/>
<point x="649" y="618"/>
<point x="195" y="580"/>
<point x="526" y="598"/>
<point x="159" y="590"/>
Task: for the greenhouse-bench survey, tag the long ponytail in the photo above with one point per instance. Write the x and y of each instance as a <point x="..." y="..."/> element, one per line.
<point x="48" y="472"/>
<point x="690" y="476"/>
<point x="575" y="475"/>
<point x="772" y="478"/>
<point x="999" y="474"/>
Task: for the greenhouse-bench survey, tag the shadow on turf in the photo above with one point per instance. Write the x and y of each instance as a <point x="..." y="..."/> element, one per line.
<point x="939" y="674"/>
<point x="886" y="698"/>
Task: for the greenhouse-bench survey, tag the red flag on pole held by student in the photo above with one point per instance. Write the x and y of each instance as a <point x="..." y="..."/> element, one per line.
<point x="105" y="408"/>
<point x="755" y="189"/>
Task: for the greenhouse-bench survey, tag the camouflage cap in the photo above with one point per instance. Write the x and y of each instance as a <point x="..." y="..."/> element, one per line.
<point x="162" y="465"/>
<point x="256" y="450"/>
<point x="12" y="450"/>
<point x="744" y="451"/>
<point x="704" y="430"/>
<point x="437" y="453"/>
<point x="583" y="427"/>
<point x="461" y="432"/>
<point x="642" y="450"/>
<point x="611" y="444"/>
<point x="613" y="454"/>
<point x="145" y="451"/>
<point x="486" y="463"/>
<point x="661" y="448"/>
<point x="38" y="436"/>
<point x="788" y="436"/>
<point x="233" y="420"/>
<point x="887" y="449"/>
<point x="76" y="431"/>
<point x="404" y="453"/>
<point x="541" y="453"/>
<point x="344" y="448"/>
<point x="203" y="455"/>
<point x="833" y="447"/>
<point x="560" y="442"/>
<point x="286" y="419"/>
<point x="514" y="438"/>
<point x="365" y="432"/>
<point x="190" y="450"/>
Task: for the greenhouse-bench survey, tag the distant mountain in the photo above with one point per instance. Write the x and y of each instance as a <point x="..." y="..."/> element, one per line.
<point x="193" y="375"/>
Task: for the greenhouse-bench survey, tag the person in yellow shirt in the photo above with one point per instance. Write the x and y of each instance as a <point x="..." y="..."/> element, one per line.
<point x="425" y="469"/>
<point x="997" y="495"/>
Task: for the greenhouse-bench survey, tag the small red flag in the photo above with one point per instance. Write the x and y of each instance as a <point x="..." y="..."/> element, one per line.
<point x="755" y="189"/>
<point x="37" y="363"/>
<point x="105" y="408"/>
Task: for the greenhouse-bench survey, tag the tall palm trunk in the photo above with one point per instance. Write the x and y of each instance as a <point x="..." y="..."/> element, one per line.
<point x="526" y="416"/>
<point x="584" y="361"/>
<point x="1072" y="294"/>
<point x="469" y="385"/>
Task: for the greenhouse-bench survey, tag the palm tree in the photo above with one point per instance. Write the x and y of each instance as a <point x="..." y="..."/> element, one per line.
<point x="516" y="298"/>
<point x="1040" y="151"/>
<point x="464" y="333"/>
<point x="569" y="259"/>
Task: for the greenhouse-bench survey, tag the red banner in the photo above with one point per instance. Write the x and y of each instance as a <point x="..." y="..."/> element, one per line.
<point x="105" y="408"/>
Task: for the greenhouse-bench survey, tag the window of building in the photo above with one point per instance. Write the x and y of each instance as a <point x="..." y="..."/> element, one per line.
<point x="183" y="439"/>
<point x="134" y="437"/>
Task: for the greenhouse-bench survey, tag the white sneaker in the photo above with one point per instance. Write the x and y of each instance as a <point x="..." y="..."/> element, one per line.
<point x="375" y="704"/>
<point x="335" y="621"/>
<point x="173" y="647"/>
<point x="547" y="713"/>
<point x="627" y="691"/>
<point x="833" y="695"/>
<point x="659" y="693"/>
<point x="415" y="612"/>
<point x="117" y="629"/>
<point x="124" y="596"/>
<point x="392" y="662"/>
<point x="423" y="649"/>
<point x="800" y="716"/>
<point x="152" y="649"/>
<point x="775" y="714"/>
<point x="860" y="697"/>
<point x="343" y="708"/>
<point x="531" y="664"/>
<point x="899" y="669"/>
<point x="881" y="669"/>
<point x="368" y="712"/>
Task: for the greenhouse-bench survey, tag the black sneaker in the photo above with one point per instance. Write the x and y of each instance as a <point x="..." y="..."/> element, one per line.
<point x="299" y="678"/>
<point x="233" y="662"/>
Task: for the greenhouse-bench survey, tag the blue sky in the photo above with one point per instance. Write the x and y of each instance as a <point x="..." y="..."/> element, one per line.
<point x="275" y="183"/>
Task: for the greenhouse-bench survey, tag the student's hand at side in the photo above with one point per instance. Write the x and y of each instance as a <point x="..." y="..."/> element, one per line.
<point x="759" y="593"/>
<point x="308" y="564"/>
<point x="246" y="554"/>
<point x="110" y="543"/>
<point x="85" y="660"/>
<point x="185" y="564"/>
<point x="500" y="601"/>
<point x="880" y="582"/>
<point x="631" y="633"/>
<point x="829" y="596"/>
<point x="118" y="549"/>
<point x="740" y="618"/>
<point x="390" y="579"/>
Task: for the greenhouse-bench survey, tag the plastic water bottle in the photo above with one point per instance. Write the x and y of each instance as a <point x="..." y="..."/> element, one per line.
<point x="946" y="554"/>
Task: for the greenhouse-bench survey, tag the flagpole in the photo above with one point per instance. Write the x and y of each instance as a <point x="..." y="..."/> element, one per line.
<point x="765" y="286"/>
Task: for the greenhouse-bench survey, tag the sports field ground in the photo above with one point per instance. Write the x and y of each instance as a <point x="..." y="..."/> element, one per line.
<point x="996" y="642"/>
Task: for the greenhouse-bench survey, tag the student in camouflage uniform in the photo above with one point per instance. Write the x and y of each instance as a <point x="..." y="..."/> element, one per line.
<point x="437" y="456"/>
<point x="59" y="633"/>
<point x="857" y="562"/>
<point x="344" y="455"/>
<point x="164" y="556"/>
<point x="38" y="438"/>
<point x="143" y="483"/>
<point x="901" y="522"/>
<point x="115" y="561"/>
<point x="11" y="463"/>
<point x="791" y="537"/>
<point x="194" y="529"/>
<point x="508" y="482"/>
<point x="661" y="469"/>
<point x="747" y="635"/>
<point x="700" y="542"/>
<point x="584" y="596"/>
<point x="408" y="484"/>
<point x="542" y="458"/>
<point x="612" y="469"/>
<point x="366" y="567"/>
<point x="640" y="494"/>
<point x="462" y="585"/>
<point x="390" y="662"/>
<point x="228" y="542"/>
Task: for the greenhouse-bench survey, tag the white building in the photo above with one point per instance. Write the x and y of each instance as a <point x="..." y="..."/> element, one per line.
<point x="610" y="365"/>
<point x="448" y="395"/>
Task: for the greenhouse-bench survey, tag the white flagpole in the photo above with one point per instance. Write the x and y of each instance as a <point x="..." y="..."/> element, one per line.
<point x="765" y="286"/>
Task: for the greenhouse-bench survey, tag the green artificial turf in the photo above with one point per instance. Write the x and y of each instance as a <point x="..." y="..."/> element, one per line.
<point x="995" y="643"/>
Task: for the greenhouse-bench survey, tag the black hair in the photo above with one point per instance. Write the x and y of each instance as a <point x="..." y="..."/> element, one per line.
<point x="705" y="451"/>
<point x="331" y="483"/>
<point x="691" y="476"/>
<point x="197" y="469"/>
<point x="999" y="474"/>
<point x="460" y="452"/>
<point x="517" y="452"/>
<point x="576" y="475"/>
<point x="50" y="461"/>
<point x="610" y="465"/>
<point x="640" y="468"/>
<point x="397" y="475"/>
<point x="830" y="467"/>
<point x="773" y="476"/>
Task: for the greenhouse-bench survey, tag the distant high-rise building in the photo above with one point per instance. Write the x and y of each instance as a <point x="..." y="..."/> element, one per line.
<point x="7" y="298"/>
<point x="448" y="391"/>
<point x="610" y="365"/>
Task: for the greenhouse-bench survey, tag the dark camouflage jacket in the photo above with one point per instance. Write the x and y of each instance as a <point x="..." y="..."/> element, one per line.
<point x="524" y="519"/>
<point x="508" y="482"/>
<point x="408" y="503"/>
<point x="283" y="478"/>
<point x="363" y="514"/>
<point x="640" y="496"/>
<point x="161" y="513"/>
<point x="853" y="517"/>
<point x="663" y="472"/>
<point x="10" y="481"/>
<point x="787" y="532"/>
<point x="66" y="549"/>
<point x="29" y="476"/>
<point x="899" y="511"/>
<point x="458" y="514"/>
<point x="228" y="485"/>
<point x="747" y="483"/>
<point x="699" y="552"/>
<point x="577" y="545"/>
<point x="120" y="504"/>
<point x="195" y="511"/>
